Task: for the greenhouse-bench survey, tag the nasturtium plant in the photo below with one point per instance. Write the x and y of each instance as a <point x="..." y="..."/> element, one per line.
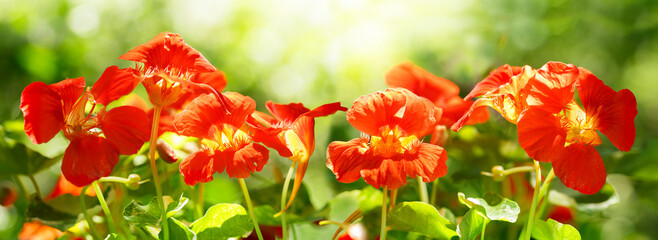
<point x="551" y="229"/>
<point x="223" y="221"/>
<point x="421" y="218"/>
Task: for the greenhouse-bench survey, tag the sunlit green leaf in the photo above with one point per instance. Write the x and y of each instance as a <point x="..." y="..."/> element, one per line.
<point x="494" y="207"/>
<point x="552" y="229"/>
<point x="223" y="221"/>
<point x="265" y="216"/>
<point x="138" y="214"/>
<point x="471" y="225"/>
<point x="176" y="206"/>
<point x="421" y="218"/>
<point x="177" y="230"/>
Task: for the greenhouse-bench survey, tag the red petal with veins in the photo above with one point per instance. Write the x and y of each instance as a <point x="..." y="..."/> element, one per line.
<point x="198" y="167"/>
<point x="242" y="163"/>
<point x="269" y="137"/>
<point x="429" y="163"/>
<point x="422" y="83"/>
<point x="87" y="159"/>
<point x="200" y="115"/>
<point x="541" y="134"/>
<point x="476" y="110"/>
<point x="389" y="173"/>
<point x="498" y="77"/>
<point x="63" y="186"/>
<point x="455" y="108"/>
<point x="127" y="128"/>
<point x="42" y="108"/>
<point x="614" y="112"/>
<point x="325" y="110"/>
<point x="69" y="91"/>
<point x="169" y="51"/>
<point x="347" y="159"/>
<point x="114" y="83"/>
<point x="286" y="112"/>
<point x="392" y="107"/>
<point x="580" y="167"/>
<point x="553" y="86"/>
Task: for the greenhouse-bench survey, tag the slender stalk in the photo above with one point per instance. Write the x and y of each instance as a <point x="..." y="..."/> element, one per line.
<point x="106" y="210"/>
<point x="36" y="186"/>
<point x="394" y="196"/>
<point x="543" y="191"/>
<point x="484" y="226"/>
<point x="382" y="234"/>
<point x="21" y="186"/>
<point x="435" y="189"/>
<point x="90" y="223"/>
<point x="535" y="200"/>
<point x="284" y="195"/>
<point x="422" y="189"/>
<point x="250" y="207"/>
<point x="199" y="202"/>
<point x="154" y="169"/>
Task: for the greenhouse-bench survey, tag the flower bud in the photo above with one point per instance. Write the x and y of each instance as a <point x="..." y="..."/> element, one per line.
<point x="498" y="173"/>
<point x="133" y="181"/>
<point x="166" y="152"/>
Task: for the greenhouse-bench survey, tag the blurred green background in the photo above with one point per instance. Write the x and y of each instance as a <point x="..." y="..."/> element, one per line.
<point x="317" y="52"/>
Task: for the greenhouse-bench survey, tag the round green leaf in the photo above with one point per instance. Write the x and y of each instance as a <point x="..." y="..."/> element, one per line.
<point x="223" y="221"/>
<point x="422" y="218"/>
<point x="552" y="229"/>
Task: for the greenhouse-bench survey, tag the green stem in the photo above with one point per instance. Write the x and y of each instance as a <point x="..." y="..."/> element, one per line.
<point x="543" y="191"/>
<point x="36" y="186"/>
<point x="83" y="205"/>
<point x="535" y="200"/>
<point x="21" y="186"/>
<point x="199" y="202"/>
<point x="435" y="189"/>
<point x="154" y="169"/>
<point x="382" y="233"/>
<point x="422" y="188"/>
<point x="106" y="210"/>
<point x="250" y="207"/>
<point x="484" y="226"/>
<point x="284" y="195"/>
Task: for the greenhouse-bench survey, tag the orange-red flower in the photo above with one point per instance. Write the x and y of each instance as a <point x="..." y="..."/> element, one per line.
<point x="290" y="132"/>
<point x="38" y="231"/>
<point x="63" y="186"/>
<point x="442" y="92"/>
<point x="557" y="129"/>
<point x="97" y="137"/>
<point x="504" y="90"/>
<point x="226" y="142"/>
<point x="393" y="121"/>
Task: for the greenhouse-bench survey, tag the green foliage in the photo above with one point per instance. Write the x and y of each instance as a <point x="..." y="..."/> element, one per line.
<point x="223" y="221"/>
<point x="421" y="218"/>
<point x="140" y="215"/>
<point x="58" y="215"/>
<point x="494" y="208"/>
<point x="178" y="230"/>
<point x="472" y="224"/>
<point x="551" y="229"/>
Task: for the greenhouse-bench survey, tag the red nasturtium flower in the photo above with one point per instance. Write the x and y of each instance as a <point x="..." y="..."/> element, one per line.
<point x="38" y="231"/>
<point x="169" y="65"/>
<point x="97" y="137"/>
<point x="504" y="90"/>
<point x="393" y="122"/>
<point x="440" y="91"/>
<point x="226" y="142"/>
<point x="557" y="129"/>
<point x="290" y="132"/>
<point x="63" y="186"/>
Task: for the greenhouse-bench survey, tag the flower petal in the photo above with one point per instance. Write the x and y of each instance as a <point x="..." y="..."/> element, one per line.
<point x="615" y="112"/>
<point x="389" y="173"/>
<point x="42" y="108"/>
<point x="373" y="113"/>
<point x="69" y="91"/>
<point x="200" y="115"/>
<point x="580" y="167"/>
<point x="347" y="159"/>
<point x="422" y="83"/>
<point x="63" y="186"/>
<point x="325" y="110"/>
<point x="456" y="107"/>
<point x="497" y="78"/>
<point x="197" y="167"/>
<point x="541" y="134"/>
<point x="476" y="110"/>
<point x="429" y="163"/>
<point x="114" y="83"/>
<point x="87" y="159"/>
<point x="127" y="128"/>
<point x="286" y="112"/>
<point x="169" y="51"/>
<point x="242" y="163"/>
<point x="553" y="86"/>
